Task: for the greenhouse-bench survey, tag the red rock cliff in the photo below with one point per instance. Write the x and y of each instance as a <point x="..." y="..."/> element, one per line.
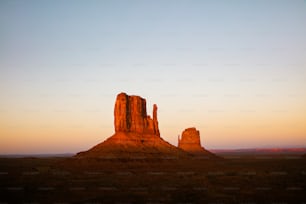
<point x="131" y="115"/>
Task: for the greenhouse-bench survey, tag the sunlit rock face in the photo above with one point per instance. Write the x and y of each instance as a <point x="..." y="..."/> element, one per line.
<point x="190" y="139"/>
<point x="131" y="115"/>
<point x="190" y="142"/>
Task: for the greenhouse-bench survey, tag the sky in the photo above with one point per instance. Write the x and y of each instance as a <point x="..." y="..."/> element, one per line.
<point x="235" y="70"/>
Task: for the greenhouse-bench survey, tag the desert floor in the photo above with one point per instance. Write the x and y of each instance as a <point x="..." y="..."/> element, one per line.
<point x="264" y="179"/>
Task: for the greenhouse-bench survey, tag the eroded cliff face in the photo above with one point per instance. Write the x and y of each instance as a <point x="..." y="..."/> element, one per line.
<point x="131" y="115"/>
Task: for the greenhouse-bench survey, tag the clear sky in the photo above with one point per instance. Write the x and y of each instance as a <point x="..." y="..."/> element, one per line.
<point x="234" y="69"/>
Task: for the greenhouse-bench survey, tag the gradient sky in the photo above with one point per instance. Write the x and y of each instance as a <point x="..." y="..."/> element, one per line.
<point x="236" y="70"/>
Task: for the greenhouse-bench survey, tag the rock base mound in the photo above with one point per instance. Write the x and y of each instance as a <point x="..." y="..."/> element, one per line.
<point x="134" y="146"/>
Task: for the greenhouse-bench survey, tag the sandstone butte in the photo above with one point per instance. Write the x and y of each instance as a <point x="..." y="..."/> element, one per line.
<point x="190" y="142"/>
<point x="136" y="134"/>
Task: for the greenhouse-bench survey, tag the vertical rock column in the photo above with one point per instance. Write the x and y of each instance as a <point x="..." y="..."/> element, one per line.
<point x="138" y="114"/>
<point x="155" y="121"/>
<point x="122" y="113"/>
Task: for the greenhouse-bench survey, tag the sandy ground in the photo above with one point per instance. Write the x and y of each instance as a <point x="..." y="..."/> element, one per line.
<point x="264" y="179"/>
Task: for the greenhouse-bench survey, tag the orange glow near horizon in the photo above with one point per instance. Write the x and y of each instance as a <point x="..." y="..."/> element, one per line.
<point x="70" y="132"/>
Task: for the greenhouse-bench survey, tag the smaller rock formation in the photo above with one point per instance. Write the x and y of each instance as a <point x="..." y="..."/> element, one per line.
<point x="190" y="142"/>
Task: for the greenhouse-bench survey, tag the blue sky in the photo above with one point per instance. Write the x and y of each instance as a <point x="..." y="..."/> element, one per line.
<point x="218" y="65"/>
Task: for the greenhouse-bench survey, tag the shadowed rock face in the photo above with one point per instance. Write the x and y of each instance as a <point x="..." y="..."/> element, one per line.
<point x="131" y="115"/>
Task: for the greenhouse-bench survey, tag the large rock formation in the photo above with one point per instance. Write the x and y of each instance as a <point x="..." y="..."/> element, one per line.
<point x="131" y="115"/>
<point x="136" y="134"/>
<point x="190" y="142"/>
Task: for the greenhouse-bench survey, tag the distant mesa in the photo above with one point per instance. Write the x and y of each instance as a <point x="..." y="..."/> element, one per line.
<point x="136" y="134"/>
<point x="190" y="142"/>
